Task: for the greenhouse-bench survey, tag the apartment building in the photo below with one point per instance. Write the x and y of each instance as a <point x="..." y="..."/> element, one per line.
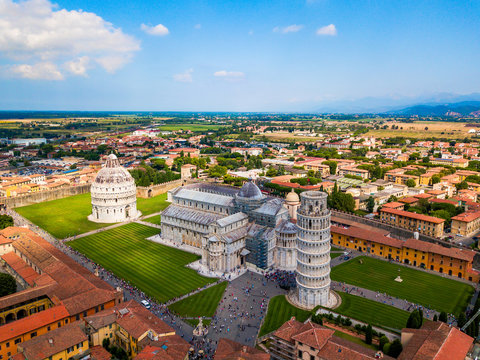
<point x="424" y="224"/>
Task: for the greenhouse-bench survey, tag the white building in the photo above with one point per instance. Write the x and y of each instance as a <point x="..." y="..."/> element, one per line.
<point x="114" y="194"/>
<point x="313" y="250"/>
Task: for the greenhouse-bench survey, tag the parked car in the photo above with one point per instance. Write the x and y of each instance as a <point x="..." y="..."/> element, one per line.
<point x="146" y="304"/>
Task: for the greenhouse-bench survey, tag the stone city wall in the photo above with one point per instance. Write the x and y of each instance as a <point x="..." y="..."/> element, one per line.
<point x="154" y="190"/>
<point x="41" y="196"/>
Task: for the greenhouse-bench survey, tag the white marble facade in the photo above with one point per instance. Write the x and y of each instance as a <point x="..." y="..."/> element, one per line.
<point x="114" y="194"/>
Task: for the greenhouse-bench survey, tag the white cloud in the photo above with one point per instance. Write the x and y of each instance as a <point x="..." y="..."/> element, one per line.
<point x="158" y="30"/>
<point x="186" y="76"/>
<point x="39" y="71"/>
<point x="329" y="30"/>
<point x="36" y="30"/>
<point x="198" y="26"/>
<point x="288" y="29"/>
<point x="229" y="75"/>
<point x="78" y="66"/>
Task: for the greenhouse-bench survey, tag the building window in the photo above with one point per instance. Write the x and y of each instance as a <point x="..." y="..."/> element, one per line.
<point x="33" y="334"/>
<point x="300" y="354"/>
<point x="19" y="340"/>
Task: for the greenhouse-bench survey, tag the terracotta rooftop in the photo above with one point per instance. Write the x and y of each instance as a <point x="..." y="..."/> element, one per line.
<point x="435" y="341"/>
<point x="231" y="350"/>
<point x="412" y="215"/>
<point x="172" y="347"/>
<point x="33" y="322"/>
<point x="393" y="205"/>
<point x="373" y="236"/>
<point x="21" y="267"/>
<point x="466" y="255"/>
<point x="408" y="200"/>
<point x="467" y="216"/>
<point x="51" y="343"/>
<point x="99" y="353"/>
<point x="423" y="196"/>
<point x="340" y="349"/>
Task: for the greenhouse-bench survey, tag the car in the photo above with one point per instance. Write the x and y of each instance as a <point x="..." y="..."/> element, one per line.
<point x="146" y="304"/>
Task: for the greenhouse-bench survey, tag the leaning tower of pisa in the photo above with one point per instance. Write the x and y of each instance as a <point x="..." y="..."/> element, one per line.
<point x="313" y="251"/>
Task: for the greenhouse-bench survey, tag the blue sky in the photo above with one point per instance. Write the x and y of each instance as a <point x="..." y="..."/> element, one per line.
<point x="233" y="55"/>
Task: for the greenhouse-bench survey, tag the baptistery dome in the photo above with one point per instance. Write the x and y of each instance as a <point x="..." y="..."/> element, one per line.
<point x="250" y="191"/>
<point x="114" y="194"/>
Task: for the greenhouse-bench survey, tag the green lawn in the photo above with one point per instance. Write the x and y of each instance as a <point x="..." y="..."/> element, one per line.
<point x="156" y="269"/>
<point x="68" y="216"/>
<point x="280" y="311"/>
<point x="203" y="303"/>
<point x="152" y="205"/>
<point x="430" y="290"/>
<point x="155" y="219"/>
<point x="334" y="255"/>
<point x="372" y="312"/>
<point x="62" y="217"/>
<point x="354" y="339"/>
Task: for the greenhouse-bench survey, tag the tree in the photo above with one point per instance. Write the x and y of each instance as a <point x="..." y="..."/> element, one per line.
<point x="369" y="334"/>
<point x="5" y="221"/>
<point x="462" y="186"/>
<point x="217" y="171"/>
<point x="411" y="183"/>
<point x="395" y="348"/>
<point x="392" y="198"/>
<point x="443" y="317"/>
<point x="462" y="320"/>
<point x="415" y="320"/>
<point x="332" y="165"/>
<point x="381" y="343"/>
<point x="435" y="179"/>
<point x="435" y="317"/>
<point x="8" y="285"/>
<point x="370" y="204"/>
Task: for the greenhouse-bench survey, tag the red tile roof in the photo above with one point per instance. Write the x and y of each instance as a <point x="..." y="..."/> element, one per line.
<point x="33" y="322"/>
<point x="408" y="200"/>
<point x="467" y="216"/>
<point x="21" y="267"/>
<point x="461" y="254"/>
<point x="231" y="350"/>
<point x="359" y="233"/>
<point x="55" y="341"/>
<point x="411" y="215"/>
<point x="99" y="353"/>
<point x="436" y="341"/>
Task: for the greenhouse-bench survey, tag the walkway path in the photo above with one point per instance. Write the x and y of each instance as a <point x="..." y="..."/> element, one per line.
<point x="170" y="302"/>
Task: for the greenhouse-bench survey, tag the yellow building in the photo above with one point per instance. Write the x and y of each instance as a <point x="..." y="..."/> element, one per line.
<point x="129" y="326"/>
<point x="451" y="261"/>
<point x="17" y="332"/>
<point x="466" y="224"/>
<point x="424" y="224"/>
<point x="64" y="343"/>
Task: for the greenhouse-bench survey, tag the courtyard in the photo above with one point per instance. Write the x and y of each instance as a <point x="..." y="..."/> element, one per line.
<point x="68" y="216"/>
<point x="159" y="271"/>
<point x="433" y="291"/>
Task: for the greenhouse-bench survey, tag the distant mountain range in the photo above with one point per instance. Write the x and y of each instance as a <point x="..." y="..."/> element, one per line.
<point x="463" y="108"/>
<point x="436" y="105"/>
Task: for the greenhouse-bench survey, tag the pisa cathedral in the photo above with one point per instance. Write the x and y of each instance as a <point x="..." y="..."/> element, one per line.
<point x="234" y="226"/>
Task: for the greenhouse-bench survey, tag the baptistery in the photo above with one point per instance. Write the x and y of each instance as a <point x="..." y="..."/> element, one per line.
<point x="114" y="194"/>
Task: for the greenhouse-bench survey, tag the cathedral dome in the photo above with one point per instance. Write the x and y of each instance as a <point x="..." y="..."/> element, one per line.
<point x="113" y="173"/>
<point x="250" y="191"/>
<point x="292" y="197"/>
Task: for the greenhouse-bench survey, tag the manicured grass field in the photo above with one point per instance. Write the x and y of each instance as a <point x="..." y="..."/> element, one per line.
<point x="62" y="217"/>
<point x="156" y="269"/>
<point x="203" y="303"/>
<point x="155" y="219"/>
<point x="153" y="204"/>
<point x="430" y="290"/>
<point x="279" y="311"/>
<point x="372" y="312"/>
<point x="68" y="216"/>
